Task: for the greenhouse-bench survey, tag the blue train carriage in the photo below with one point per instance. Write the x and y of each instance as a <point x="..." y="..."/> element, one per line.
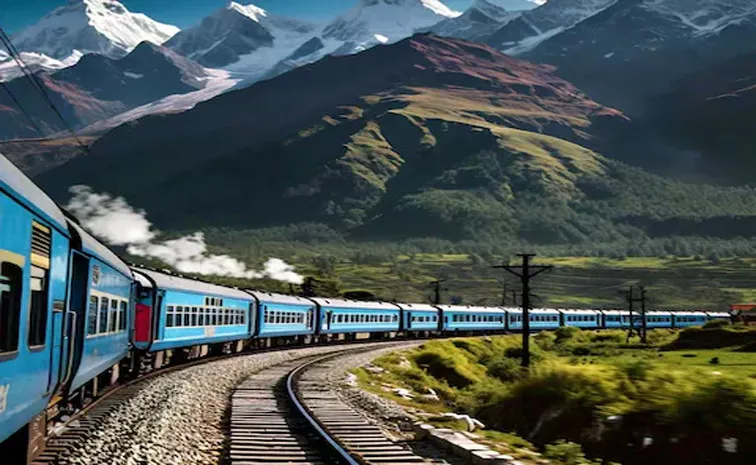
<point x="688" y="319"/>
<point x="354" y="319"/>
<point x="581" y="318"/>
<point x="462" y="318"/>
<point x="513" y="318"/>
<point x="419" y="318"/>
<point x="35" y="325"/>
<point x="659" y="319"/>
<point x="101" y="291"/>
<point x="179" y="318"/>
<point x="544" y="318"/>
<point x="719" y="316"/>
<point x="617" y="319"/>
<point x="283" y="318"/>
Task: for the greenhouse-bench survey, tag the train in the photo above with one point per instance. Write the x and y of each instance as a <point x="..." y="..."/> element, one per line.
<point x="75" y="318"/>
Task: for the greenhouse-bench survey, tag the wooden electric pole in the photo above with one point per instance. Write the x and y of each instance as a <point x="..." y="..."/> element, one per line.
<point x="631" y="300"/>
<point x="436" y="285"/>
<point x="644" y="327"/>
<point x="525" y="272"/>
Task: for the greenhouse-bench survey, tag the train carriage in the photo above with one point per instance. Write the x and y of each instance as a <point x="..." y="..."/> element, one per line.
<point x="338" y="316"/>
<point x="458" y="318"/>
<point x="419" y="317"/>
<point x="658" y="320"/>
<point x="615" y="319"/>
<point x="34" y="322"/>
<point x="688" y="319"/>
<point x="543" y="319"/>
<point x="174" y="312"/>
<point x="719" y="316"/>
<point x="586" y="319"/>
<point x="101" y="296"/>
<point x="282" y="315"/>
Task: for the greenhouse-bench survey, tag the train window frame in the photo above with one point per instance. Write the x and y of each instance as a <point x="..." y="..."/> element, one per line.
<point x="37" y="314"/>
<point x="170" y="312"/>
<point x="14" y="300"/>
<point x="92" y="312"/>
<point x="104" y="302"/>
<point x="113" y="316"/>
<point x="123" y="311"/>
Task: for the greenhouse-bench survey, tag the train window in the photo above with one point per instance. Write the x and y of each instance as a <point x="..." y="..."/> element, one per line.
<point x="122" y="316"/>
<point x="396" y="318"/>
<point x="113" y="316"/>
<point x="169" y="314"/>
<point x="38" y="307"/>
<point x="102" y="319"/>
<point x="186" y="319"/>
<point x="10" y="306"/>
<point x="201" y="316"/>
<point x="194" y="316"/>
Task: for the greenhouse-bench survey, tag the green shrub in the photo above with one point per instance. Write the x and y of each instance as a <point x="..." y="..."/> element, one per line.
<point x="505" y="369"/>
<point x="581" y="350"/>
<point x="564" y="333"/>
<point x="566" y="453"/>
<point x="716" y="324"/>
<point x="637" y="370"/>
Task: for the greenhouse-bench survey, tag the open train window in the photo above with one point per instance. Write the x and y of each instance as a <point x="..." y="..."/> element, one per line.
<point x="10" y="306"/>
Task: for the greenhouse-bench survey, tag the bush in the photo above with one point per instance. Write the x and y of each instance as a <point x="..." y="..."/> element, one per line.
<point x="716" y="324"/>
<point x="637" y="370"/>
<point x="565" y="333"/>
<point x="566" y="453"/>
<point x="505" y="369"/>
<point x="581" y="350"/>
<point x="714" y="361"/>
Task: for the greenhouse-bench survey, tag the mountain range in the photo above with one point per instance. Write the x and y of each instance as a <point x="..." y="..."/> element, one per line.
<point x="509" y="120"/>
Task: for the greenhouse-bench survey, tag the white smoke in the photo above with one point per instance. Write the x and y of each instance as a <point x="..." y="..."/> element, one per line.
<point x="118" y="223"/>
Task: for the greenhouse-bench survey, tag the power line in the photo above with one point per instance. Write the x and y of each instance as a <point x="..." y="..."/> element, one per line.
<point x="22" y="109"/>
<point x="37" y="84"/>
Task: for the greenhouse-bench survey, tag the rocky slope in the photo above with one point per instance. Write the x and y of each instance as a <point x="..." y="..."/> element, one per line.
<point x="635" y="49"/>
<point x="97" y="87"/>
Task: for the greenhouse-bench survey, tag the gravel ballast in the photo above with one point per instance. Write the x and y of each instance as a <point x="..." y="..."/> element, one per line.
<point x="178" y="418"/>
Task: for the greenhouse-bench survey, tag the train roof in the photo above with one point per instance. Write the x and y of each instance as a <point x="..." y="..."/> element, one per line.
<point x="178" y="283"/>
<point x="29" y="193"/>
<point x="419" y="307"/>
<point x="471" y="309"/>
<point x="615" y="312"/>
<point x="581" y="311"/>
<point x="280" y="298"/>
<point x="95" y="248"/>
<point x="722" y="314"/>
<point x="342" y="303"/>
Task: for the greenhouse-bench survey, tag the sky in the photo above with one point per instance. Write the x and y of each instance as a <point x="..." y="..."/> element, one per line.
<point x="17" y="14"/>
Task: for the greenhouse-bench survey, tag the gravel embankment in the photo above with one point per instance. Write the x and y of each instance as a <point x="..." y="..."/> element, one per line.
<point x="177" y="418"/>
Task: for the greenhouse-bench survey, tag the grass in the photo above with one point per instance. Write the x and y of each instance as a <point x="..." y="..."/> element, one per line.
<point x="570" y="397"/>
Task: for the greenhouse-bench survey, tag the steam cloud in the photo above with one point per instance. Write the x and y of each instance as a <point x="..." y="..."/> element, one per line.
<point x="118" y="223"/>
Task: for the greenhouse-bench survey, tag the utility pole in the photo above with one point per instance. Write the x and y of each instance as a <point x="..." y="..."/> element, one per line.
<point x="504" y="295"/>
<point x="514" y="297"/>
<point x="643" y="313"/>
<point x="630" y="302"/>
<point x="436" y="285"/>
<point x="525" y="272"/>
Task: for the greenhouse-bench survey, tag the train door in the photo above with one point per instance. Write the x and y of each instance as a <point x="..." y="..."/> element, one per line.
<point x="73" y="340"/>
<point x="409" y="320"/>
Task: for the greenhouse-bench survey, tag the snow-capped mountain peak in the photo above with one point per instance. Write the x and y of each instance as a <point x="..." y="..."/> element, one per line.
<point x="91" y="26"/>
<point x="390" y="19"/>
<point x="253" y="12"/>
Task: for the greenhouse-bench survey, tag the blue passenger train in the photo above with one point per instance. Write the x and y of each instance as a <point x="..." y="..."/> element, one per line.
<point x="75" y="318"/>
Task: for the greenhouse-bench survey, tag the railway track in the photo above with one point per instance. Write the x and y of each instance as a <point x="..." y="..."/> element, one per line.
<point x="291" y="415"/>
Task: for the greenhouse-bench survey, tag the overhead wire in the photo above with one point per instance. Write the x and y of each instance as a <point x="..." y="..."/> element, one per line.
<point x="39" y="87"/>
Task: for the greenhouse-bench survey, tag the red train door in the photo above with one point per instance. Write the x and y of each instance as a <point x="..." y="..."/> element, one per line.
<point x="142" y="323"/>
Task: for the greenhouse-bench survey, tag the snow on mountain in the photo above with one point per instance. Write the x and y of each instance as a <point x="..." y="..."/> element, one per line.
<point x="373" y="22"/>
<point x="245" y="36"/>
<point x="632" y="50"/>
<point x="481" y="19"/>
<point x="35" y="61"/>
<point x="91" y="26"/>
<point x="547" y="20"/>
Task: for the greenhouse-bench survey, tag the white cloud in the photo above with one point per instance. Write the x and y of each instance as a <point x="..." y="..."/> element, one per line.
<point x="116" y="222"/>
